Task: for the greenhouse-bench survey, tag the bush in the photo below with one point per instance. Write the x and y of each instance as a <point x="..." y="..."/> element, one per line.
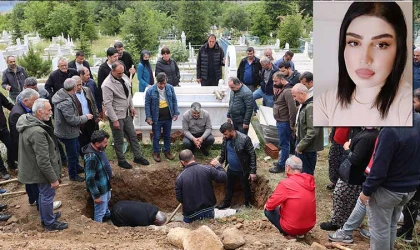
<point x="178" y="52"/>
<point x="33" y="63"/>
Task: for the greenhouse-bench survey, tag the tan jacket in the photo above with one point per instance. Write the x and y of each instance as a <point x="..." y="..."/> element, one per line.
<point x="116" y="103"/>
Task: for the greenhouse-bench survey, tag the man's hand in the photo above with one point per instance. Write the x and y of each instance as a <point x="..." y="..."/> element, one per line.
<point x="198" y="81"/>
<point x="89" y="116"/>
<point x="197" y="142"/>
<point x="297" y="151"/>
<point x="116" y="125"/>
<point x="347" y="145"/>
<point x="245" y="126"/>
<point x="363" y="198"/>
<point x="55" y="184"/>
<point x="229" y="120"/>
<point x="98" y="201"/>
<point x="149" y="121"/>
<point x="132" y="112"/>
<point x="175" y="118"/>
<point x="252" y="177"/>
<point x="214" y="162"/>
<point x="97" y="120"/>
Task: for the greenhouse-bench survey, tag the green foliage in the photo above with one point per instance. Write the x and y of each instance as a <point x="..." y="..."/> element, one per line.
<point x="416" y="7"/>
<point x="141" y="28"/>
<point x="178" y="52"/>
<point x="82" y="26"/>
<point x="194" y="21"/>
<point x="14" y="21"/>
<point x="3" y="22"/>
<point x="35" y="16"/>
<point x="58" y="21"/>
<point x="235" y="16"/>
<point x="33" y="63"/>
<point x="106" y="16"/>
<point x="261" y="25"/>
<point x="291" y="29"/>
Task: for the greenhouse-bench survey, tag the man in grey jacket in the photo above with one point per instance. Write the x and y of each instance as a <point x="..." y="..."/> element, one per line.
<point x="39" y="160"/>
<point x="13" y="78"/>
<point x="240" y="105"/>
<point x="196" y="125"/>
<point x="119" y="108"/>
<point x="67" y="125"/>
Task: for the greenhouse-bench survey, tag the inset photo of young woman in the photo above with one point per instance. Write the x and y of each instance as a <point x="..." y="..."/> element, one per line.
<point x="363" y="64"/>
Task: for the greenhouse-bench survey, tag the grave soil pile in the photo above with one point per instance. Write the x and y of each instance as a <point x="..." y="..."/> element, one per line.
<point x="154" y="184"/>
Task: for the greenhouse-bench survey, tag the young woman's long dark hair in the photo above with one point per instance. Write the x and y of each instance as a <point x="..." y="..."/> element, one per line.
<point x="391" y="13"/>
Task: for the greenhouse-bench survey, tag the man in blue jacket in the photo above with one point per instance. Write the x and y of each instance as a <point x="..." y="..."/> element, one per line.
<point x="161" y="109"/>
<point x="392" y="181"/>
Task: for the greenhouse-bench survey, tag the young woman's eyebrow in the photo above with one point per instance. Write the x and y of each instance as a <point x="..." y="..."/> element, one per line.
<point x="386" y="35"/>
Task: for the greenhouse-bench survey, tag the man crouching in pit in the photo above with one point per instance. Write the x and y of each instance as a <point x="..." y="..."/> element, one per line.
<point x="194" y="187"/>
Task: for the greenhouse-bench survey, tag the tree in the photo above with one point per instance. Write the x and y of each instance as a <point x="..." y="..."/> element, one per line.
<point x="15" y="21"/>
<point x="260" y="27"/>
<point x="106" y="13"/>
<point x="291" y="29"/>
<point x="140" y="28"/>
<point x="59" y="21"/>
<point x="193" y="20"/>
<point x="235" y="17"/>
<point x="34" y="64"/>
<point x="35" y="16"/>
<point x="82" y="26"/>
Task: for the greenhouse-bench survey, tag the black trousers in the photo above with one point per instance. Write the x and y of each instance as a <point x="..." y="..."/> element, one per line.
<point x="410" y="212"/>
<point x="239" y="126"/>
<point x="232" y="178"/>
<point x="87" y="130"/>
<point x="188" y="144"/>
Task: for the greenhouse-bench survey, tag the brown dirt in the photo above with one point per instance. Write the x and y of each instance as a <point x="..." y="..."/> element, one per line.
<point x="154" y="184"/>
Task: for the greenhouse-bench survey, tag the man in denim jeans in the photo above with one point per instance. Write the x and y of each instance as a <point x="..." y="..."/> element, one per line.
<point x="98" y="174"/>
<point x="284" y="112"/>
<point x="392" y="181"/>
<point x="161" y="109"/>
<point x="67" y="125"/>
<point x="309" y="139"/>
<point x="39" y="160"/>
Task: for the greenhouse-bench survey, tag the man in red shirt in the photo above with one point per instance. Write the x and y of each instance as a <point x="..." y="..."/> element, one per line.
<point x="292" y="206"/>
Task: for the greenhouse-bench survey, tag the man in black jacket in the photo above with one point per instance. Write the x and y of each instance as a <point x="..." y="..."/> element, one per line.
<point x="292" y="76"/>
<point x="56" y="79"/>
<point x="80" y="62"/>
<point x="249" y="70"/>
<point x="135" y="214"/>
<point x="239" y="154"/>
<point x="210" y="60"/>
<point x="105" y="69"/>
<point x="194" y="187"/>
<point x="125" y="57"/>
<point x="13" y="78"/>
<point x="392" y="180"/>
<point x="240" y="105"/>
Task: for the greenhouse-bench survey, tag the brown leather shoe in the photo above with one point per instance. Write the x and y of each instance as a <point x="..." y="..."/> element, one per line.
<point x="169" y="155"/>
<point x="156" y="157"/>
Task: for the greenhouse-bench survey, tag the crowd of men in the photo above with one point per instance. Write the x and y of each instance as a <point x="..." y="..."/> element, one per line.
<point x="74" y="99"/>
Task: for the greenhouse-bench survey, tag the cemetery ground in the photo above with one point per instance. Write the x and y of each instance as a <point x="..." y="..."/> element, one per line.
<point x="155" y="184"/>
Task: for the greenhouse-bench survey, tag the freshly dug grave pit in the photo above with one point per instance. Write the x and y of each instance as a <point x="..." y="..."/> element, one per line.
<point x="156" y="185"/>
